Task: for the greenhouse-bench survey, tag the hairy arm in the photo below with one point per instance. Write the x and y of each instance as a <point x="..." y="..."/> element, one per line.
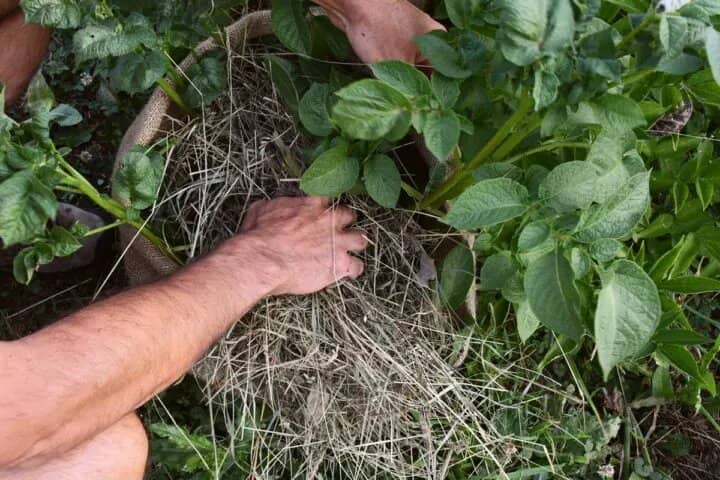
<point x="381" y="29"/>
<point x="69" y="382"/>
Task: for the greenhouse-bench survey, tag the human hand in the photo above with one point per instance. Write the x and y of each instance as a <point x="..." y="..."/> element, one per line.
<point x="382" y="29"/>
<point x="304" y="243"/>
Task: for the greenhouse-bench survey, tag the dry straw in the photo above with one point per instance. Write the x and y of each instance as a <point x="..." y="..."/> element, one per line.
<point x="359" y="378"/>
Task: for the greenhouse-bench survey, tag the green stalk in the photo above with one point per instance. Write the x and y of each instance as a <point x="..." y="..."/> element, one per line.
<point x="517" y="138"/>
<point x="105" y="228"/>
<point x="650" y="17"/>
<point x="526" y="104"/>
<point x="546" y="148"/>
<point x="76" y="180"/>
<point x="708" y="416"/>
<point x="440" y="195"/>
<point x="407" y="188"/>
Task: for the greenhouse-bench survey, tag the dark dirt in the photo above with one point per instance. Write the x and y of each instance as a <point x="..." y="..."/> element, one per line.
<point x="686" y="445"/>
<point x="52" y="296"/>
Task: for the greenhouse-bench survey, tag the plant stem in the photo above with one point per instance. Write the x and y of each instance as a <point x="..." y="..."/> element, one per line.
<point x="517" y="138"/>
<point x="440" y="195"/>
<point x="105" y="228"/>
<point x="526" y="104"/>
<point x="710" y="418"/>
<point x="546" y="148"/>
<point x="76" y="180"/>
<point x="62" y="188"/>
<point x="407" y="188"/>
<point x="650" y="17"/>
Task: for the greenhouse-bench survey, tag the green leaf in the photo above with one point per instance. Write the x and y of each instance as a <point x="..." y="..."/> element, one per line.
<point x="569" y="186"/>
<point x="136" y="73"/>
<point x="282" y="75"/>
<point x="52" y="13"/>
<point x="704" y="87"/>
<point x="403" y="77"/>
<point x="705" y="189"/>
<point x="673" y="34"/>
<point x="62" y="242"/>
<point x="553" y="295"/>
<point x="65" y="115"/>
<point x="545" y="90"/>
<point x="40" y="97"/>
<point x="139" y="178"/>
<point x="102" y="41"/>
<point x="686" y="249"/>
<point x="497" y="270"/>
<point x="533" y="235"/>
<point x="456" y="277"/>
<point x="488" y="203"/>
<point x="605" y="249"/>
<point x="290" y="25"/>
<point x="336" y="40"/>
<point x="332" y="173"/>
<point x="27" y="262"/>
<point x="691" y="285"/>
<point x="612" y="112"/>
<point x="383" y="181"/>
<point x="5" y="122"/>
<point x="680" y="337"/>
<point x="618" y="216"/>
<point x="464" y="13"/>
<point x="442" y="133"/>
<point x="207" y="81"/>
<point x="527" y="322"/>
<point x="532" y="29"/>
<point x="613" y="165"/>
<point x="27" y="206"/>
<point x="681" y="358"/>
<point x="712" y="47"/>
<point x="662" y="386"/>
<point x="444" y="57"/>
<point x="628" y="312"/>
<point x="314" y="110"/>
<point x="630" y="6"/>
<point x="370" y="110"/>
<point x="580" y="262"/>
<point x="445" y="89"/>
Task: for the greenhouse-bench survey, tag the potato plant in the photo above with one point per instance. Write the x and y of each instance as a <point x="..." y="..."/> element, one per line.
<point x="33" y="172"/>
<point x="134" y="45"/>
<point x="574" y="140"/>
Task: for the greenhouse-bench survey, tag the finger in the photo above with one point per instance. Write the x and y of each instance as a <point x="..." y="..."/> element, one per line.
<point x="320" y="202"/>
<point x="353" y="241"/>
<point x="356" y="268"/>
<point x="251" y="216"/>
<point x="344" y="216"/>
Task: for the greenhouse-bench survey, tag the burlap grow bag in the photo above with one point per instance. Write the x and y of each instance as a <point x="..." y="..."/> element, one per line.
<point x="143" y="262"/>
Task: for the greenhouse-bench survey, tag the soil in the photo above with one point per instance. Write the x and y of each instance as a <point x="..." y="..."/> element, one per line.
<point x="52" y="296"/>
<point x="686" y="445"/>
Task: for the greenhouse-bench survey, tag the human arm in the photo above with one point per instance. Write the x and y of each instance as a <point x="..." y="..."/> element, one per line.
<point x="22" y="48"/>
<point x="381" y="29"/>
<point x="68" y="382"/>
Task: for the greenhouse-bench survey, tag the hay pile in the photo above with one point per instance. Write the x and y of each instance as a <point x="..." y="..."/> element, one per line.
<point x="356" y="376"/>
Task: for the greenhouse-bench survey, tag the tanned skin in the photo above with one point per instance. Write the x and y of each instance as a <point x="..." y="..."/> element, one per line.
<point x="381" y="29"/>
<point x="77" y="378"/>
<point x="68" y="393"/>
<point x="22" y="48"/>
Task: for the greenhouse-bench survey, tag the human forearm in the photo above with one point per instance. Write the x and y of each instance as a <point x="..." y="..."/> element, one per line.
<point x="83" y="374"/>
